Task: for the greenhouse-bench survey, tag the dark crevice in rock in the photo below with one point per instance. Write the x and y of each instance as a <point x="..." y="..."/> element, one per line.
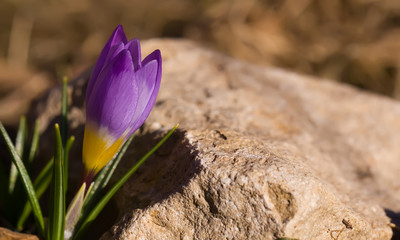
<point x="210" y="200"/>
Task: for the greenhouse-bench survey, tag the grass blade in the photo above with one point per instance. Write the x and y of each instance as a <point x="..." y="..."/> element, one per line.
<point x="34" y="144"/>
<point x="64" y="128"/>
<point x="102" y="203"/>
<point x="57" y="201"/>
<point x="25" y="180"/>
<point x="64" y="111"/>
<point x="19" y="147"/>
<point x="22" y="137"/>
<point x="70" y="141"/>
<point x="41" y="183"/>
<point x="3" y="185"/>
<point x="68" y="146"/>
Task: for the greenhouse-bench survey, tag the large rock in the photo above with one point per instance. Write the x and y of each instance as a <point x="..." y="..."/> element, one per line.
<point x="260" y="153"/>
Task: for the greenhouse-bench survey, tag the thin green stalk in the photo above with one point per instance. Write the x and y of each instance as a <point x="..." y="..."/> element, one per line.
<point x="3" y="184"/>
<point x="57" y="201"/>
<point x="41" y="183"/>
<point x="102" y="203"/>
<point x="64" y="129"/>
<point x="19" y="147"/>
<point x="25" y="180"/>
<point x="67" y="148"/>
<point x="35" y="143"/>
<point x="22" y="137"/>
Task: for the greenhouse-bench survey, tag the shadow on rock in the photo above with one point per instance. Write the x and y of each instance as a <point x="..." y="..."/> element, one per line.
<point x="395" y="219"/>
<point x="165" y="173"/>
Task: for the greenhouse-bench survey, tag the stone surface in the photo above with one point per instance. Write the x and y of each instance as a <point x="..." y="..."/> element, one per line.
<point x="260" y="153"/>
<point x="6" y="234"/>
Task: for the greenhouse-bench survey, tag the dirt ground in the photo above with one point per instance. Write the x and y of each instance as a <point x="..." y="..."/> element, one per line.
<point x="351" y="41"/>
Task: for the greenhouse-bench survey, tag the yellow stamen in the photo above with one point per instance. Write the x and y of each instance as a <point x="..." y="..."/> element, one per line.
<point x="98" y="149"/>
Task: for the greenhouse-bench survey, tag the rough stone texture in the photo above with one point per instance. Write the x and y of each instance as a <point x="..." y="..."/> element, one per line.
<point x="261" y="153"/>
<point x="6" y="234"/>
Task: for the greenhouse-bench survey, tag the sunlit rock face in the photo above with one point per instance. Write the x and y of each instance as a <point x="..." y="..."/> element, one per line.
<point x="260" y="153"/>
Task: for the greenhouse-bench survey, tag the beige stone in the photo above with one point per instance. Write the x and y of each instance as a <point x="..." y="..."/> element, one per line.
<point x="261" y="153"/>
<point x="6" y="234"/>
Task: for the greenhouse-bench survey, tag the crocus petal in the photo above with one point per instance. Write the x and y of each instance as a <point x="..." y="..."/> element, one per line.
<point x="117" y="38"/>
<point x="133" y="47"/>
<point x="149" y="79"/>
<point x="115" y="97"/>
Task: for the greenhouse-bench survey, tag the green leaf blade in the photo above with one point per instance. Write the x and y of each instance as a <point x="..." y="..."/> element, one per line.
<point x="64" y="129"/>
<point x="57" y="201"/>
<point x="20" y="143"/>
<point x="3" y="185"/>
<point x="27" y="183"/>
<point x="41" y="183"/>
<point x="34" y="144"/>
<point x="22" y="137"/>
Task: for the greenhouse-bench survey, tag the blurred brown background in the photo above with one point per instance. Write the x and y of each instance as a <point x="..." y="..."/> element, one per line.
<point x="352" y="41"/>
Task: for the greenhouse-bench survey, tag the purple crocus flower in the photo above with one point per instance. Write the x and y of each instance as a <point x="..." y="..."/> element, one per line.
<point x="121" y="92"/>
